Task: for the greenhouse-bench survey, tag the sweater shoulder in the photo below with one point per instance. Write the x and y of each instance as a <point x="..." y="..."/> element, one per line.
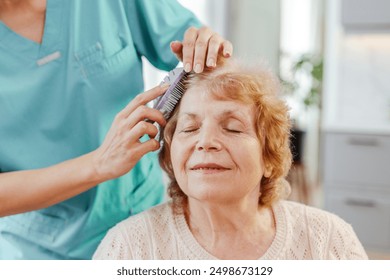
<point x="150" y="217"/>
<point x="314" y="218"/>
<point x="328" y="235"/>
<point x="307" y="230"/>
<point x="137" y="237"/>
<point x="296" y="207"/>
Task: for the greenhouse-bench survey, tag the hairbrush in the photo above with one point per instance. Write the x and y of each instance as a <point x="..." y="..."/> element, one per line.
<point x="176" y="79"/>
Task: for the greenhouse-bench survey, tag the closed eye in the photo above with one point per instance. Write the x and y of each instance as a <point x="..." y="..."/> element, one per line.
<point x="233" y="130"/>
<point x="189" y="130"/>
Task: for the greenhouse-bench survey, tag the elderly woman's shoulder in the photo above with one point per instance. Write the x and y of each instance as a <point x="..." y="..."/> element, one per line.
<point x="311" y="215"/>
<point x="156" y="217"/>
<point x="316" y="223"/>
<point x="126" y="240"/>
<point x="330" y="236"/>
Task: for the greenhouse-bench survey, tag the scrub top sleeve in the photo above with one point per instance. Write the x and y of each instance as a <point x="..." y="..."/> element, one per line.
<point x="154" y="25"/>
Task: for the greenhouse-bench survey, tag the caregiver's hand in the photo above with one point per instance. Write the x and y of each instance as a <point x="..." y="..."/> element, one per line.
<point x="122" y="147"/>
<point x="200" y="48"/>
<point x="117" y="155"/>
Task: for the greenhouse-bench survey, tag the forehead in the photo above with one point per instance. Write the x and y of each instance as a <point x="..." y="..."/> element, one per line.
<point x="198" y="99"/>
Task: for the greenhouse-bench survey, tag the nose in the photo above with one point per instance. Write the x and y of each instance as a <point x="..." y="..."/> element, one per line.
<point x="208" y="139"/>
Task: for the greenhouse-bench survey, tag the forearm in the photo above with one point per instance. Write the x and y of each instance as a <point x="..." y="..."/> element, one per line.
<point x="23" y="191"/>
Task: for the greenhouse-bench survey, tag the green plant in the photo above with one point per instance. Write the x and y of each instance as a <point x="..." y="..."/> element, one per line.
<point x="311" y="67"/>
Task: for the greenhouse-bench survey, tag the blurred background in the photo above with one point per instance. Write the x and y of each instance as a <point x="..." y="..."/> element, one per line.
<point x="333" y="59"/>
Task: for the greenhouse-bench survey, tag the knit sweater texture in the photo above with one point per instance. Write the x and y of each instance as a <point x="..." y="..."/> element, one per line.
<point x="302" y="233"/>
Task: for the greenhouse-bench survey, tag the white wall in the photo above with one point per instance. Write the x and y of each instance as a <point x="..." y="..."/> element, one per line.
<point x="251" y="25"/>
<point x="357" y="84"/>
<point x="254" y="28"/>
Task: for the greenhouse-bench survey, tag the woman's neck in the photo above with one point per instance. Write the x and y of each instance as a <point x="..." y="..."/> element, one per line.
<point x="7" y="3"/>
<point x="25" y="17"/>
<point x="35" y="5"/>
<point x="239" y="232"/>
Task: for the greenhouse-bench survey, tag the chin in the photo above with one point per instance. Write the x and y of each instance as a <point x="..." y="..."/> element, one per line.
<point x="210" y="192"/>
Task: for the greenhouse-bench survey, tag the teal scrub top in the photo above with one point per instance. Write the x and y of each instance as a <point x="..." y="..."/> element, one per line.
<point x="57" y="102"/>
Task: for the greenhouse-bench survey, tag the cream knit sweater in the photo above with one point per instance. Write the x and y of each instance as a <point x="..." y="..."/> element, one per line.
<point x="302" y="232"/>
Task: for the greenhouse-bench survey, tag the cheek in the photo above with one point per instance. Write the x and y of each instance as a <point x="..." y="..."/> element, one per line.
<point x="174" y="153"/>
<point x="179" y="158"/>
<point x="178" y="154"/>
<point x="251" y="161"/>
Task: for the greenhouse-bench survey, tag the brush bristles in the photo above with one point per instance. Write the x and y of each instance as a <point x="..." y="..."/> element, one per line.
<point x="174" y="97"/>
<point x="172" y="101"/>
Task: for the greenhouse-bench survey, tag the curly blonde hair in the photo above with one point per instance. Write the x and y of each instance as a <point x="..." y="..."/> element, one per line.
<point x="234" y="80"/>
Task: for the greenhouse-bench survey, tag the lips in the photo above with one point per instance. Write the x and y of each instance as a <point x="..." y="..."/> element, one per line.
<point x="209" y="166"/>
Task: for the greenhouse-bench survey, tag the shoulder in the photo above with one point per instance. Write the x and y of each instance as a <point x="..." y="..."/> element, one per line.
<point x="329" y="236"/>
<point x="316" y="220"/>
<point x="308" y="228"/>
<point x="146" y="224"/>
<point x="146" y="218"/>
<point x="129" y="238"/>
<point x="310" y="215"/>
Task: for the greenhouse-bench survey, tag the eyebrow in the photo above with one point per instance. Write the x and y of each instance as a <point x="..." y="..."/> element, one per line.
<point x="226" y="113"/>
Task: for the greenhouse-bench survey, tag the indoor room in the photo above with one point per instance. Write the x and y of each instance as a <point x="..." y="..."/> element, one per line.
<point x="332" y="58"/>
<point x="210" y="130"/>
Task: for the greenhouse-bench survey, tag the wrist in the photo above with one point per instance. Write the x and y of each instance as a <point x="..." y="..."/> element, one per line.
<point x="94" y="168"/>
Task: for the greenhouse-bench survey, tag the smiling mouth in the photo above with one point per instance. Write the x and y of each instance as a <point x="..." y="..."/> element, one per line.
<point x="209" y="168"/>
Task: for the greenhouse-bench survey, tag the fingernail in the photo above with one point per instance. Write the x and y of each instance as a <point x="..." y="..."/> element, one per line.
<point x="227" y="54"/>
<point x="198" y="68"/>
<point x="173" y="43"/>
<point x="211" y="63"/>
<point x="187" y="67"/>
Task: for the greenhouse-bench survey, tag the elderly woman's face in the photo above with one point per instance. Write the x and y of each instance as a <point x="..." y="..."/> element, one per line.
<point x="215" y="152"/>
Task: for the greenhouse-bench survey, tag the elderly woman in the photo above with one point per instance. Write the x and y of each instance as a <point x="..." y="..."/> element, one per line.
<point x="226" y="152"/>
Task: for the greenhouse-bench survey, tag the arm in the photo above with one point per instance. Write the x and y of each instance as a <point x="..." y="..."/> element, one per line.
<point x="344" y="243"/>
<point x="354" y="250"/>
<point x="154" y="25"/>
<point x="23" y="191"/>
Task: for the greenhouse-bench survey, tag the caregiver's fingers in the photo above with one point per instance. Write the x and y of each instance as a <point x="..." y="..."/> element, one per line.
<point x="217" y="46"/>
<point x="142" y="99"/>
<point x="201" y="48"/>
<point x="188" y="50"/>
<point x="144" y="112"/>
<point x="140" y="129"/>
